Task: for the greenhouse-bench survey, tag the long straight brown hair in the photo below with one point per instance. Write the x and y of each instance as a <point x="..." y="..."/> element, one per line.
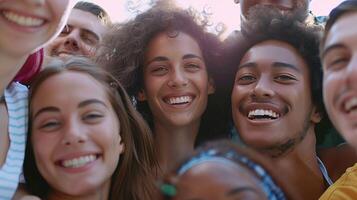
<point x="134" y="177"/>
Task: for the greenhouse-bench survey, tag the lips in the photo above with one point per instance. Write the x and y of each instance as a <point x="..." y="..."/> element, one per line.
<point x="22" y="20"/>
<point x="179" y="100"/>
<point x="350" y="105"/>
<point x="78" y="162"/>
<point x="263" y="111"/>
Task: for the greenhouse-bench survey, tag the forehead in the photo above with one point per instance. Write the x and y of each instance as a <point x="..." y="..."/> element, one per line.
<point x="86" y="20"/>
<point x="70" y="85"/>
<point x="163" y="44"/>
<point x="217" y="179"/>
<point x="343" y="31"/>
<point x="273" y="51"/>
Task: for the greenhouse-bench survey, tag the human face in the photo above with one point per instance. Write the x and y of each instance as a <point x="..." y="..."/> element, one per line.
<point x="283" y="5"/>
<point x="75" y="134"/>
<point x="339" y="58"/>
<point x="176" y="84"/>
<point x="25" y="25"/>
<point x="81" y="36"/>
<point x="271" y="98"/>
<point x="213" y="180"/>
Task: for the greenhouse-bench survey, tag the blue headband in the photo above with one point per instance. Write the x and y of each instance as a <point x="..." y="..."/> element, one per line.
<point x="272" y="191"/>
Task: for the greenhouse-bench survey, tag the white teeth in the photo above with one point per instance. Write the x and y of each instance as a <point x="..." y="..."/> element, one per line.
<point x="350" y="104"/>
<point x="23" y="20"/>
<point x="261" y="113"/>
<point x="78" y="162"/>
<point x="179" y="100"/>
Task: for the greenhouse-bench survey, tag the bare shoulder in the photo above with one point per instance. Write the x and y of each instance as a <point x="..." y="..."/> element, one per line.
<point x="337" y="159"/>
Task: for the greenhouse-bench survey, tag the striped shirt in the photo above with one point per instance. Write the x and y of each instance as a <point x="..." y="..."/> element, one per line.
<point x="17" y="103"/>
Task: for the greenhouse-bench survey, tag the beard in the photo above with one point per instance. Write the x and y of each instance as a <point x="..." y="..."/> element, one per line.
<point x="282" y="148"/>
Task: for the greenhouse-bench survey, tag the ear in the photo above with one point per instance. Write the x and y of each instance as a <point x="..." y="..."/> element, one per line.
<point x="211" y="86"/>
<point x="141" y="95"/>
<point x="315" y="115"/>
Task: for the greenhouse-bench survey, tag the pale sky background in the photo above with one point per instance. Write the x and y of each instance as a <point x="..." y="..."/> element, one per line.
<point x="225" y="11"/>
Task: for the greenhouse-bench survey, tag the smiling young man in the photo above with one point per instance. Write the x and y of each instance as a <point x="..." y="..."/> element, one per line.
<point x="83" y="33"/>
<point x="276" y="101"/>
<point x="338" y="55"/>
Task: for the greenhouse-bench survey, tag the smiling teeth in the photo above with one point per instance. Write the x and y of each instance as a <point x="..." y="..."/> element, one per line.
<point x="180" y="100"/>
<point x="262" y="113"/>
<point x="351" y="104"/>
<point x="23" y="20"/>
<point x="78" y="162"/>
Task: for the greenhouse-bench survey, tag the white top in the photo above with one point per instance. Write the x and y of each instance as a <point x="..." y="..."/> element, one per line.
<point x="17" y="107"/>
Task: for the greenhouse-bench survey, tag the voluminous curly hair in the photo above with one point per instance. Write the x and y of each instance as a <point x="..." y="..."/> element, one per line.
<point x="123" y="53"/>
<point x="272" y="25"/>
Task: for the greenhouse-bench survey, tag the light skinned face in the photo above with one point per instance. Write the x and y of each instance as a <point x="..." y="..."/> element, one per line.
<point x="339" y="59"/>
<point x="214" y="180"/>
<point x="75" y="135"/>
<point x="271" y="98"/>
<point x="81" y="35"/>
<point x="176" y="83"/>
<point x="28" y="24"/>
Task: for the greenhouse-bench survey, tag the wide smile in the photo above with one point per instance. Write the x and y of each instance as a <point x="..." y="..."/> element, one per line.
<point x="259" y="113"/>
<point x="178" y="100"/>
<point x="78" y="162"/>
<point x="349" y="106"/>
<point x="22" y="20"/>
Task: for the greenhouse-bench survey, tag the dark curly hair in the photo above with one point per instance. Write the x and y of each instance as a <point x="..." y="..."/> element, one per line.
<point x="124" y="50"/>
<point x="272" y="25"/>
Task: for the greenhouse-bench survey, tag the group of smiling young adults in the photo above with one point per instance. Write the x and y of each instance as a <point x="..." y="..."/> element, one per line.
<point x="147" y="109"/>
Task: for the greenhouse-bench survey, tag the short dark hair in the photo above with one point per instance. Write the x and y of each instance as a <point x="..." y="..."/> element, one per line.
<point x="335" y="14"/>
<point x="272" y="25"/>
<point x="94" y="9"/>
<point x="124" y="50"/>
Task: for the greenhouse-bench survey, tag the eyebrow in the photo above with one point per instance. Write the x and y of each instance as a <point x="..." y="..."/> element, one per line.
<point x="163" y="58"/>
<point x="91" y="101"/>
<point x="157" y="59"/>
<point x="330" y="48"/>
<point x="275" y="64"/>
<point x="188" y="56"/>
<point x="285" y="65"/>
<point x="239" y="190"/>
<point x="46" y="109"/>
<point x="55" y="109"/>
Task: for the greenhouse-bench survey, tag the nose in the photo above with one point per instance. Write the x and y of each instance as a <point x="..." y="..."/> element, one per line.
<point x="71" y="42"/>
<point x="73" y="134"/>
<point x="178" y="79"/>
<point x="351" y="73"/>
<point x="263" y="88"/>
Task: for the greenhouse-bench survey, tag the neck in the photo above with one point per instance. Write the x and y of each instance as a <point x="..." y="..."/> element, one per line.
<point x="174" y="144"/>
<point x="300" y="167"/>
<point x="10" y="66"/>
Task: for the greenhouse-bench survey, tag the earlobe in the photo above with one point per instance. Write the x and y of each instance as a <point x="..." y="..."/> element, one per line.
<point x="315" y="116"/>
<point x="141" y="96"/>
<point x="211" y="86"/>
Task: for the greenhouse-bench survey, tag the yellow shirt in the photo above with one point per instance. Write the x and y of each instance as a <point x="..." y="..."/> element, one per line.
<point x="345" y="188"/>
